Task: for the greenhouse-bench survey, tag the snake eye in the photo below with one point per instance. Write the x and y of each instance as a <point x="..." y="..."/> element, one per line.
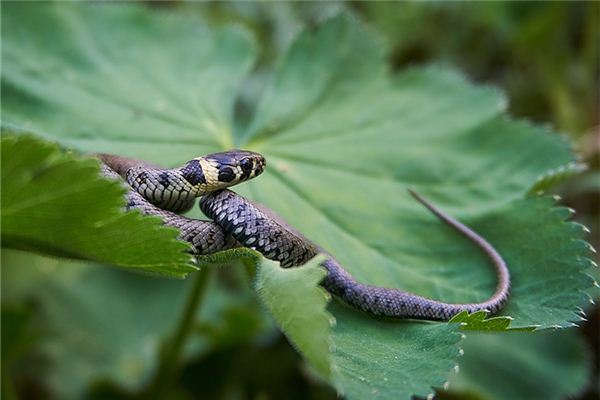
<point x="247" y="165"/>
<point x="226" y="174"/>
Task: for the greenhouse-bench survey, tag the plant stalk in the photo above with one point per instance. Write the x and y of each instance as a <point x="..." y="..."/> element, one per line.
<point x="170" y="356"/>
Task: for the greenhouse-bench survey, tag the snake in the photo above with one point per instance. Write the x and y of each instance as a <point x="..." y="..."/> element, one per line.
<point x="239" y="222"/>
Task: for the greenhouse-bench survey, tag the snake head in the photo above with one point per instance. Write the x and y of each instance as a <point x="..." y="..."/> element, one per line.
<point x="231" y="167"/>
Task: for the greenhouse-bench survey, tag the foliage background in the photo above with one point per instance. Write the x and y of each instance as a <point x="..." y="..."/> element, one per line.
<point x="545" y="57"/>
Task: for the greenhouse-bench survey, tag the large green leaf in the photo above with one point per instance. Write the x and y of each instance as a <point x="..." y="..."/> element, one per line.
<point x="57" y="204"/>
<point x="343" y="139"/>
<point x="121" y="88"/>
<point x="432" y="132"/>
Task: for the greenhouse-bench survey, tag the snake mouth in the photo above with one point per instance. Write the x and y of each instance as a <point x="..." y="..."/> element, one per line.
<point x="261" y="164"/>
<point x="250" y="163"/>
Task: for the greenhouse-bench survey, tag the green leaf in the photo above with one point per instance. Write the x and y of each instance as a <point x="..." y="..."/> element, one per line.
<point x="377" y="358"/>
<point x="121" y="88"/>
<point x="348" y="163"/>
<point x="477" y="321"/>
<point x="344" y="139"/>
<point x="554" y="176"/>
<point x="298" y="305"/>
<point x="543" y="246"/>
<point x="542" y="365"/>
<point x="251" y="257"/>
<point x="55" y="203"/>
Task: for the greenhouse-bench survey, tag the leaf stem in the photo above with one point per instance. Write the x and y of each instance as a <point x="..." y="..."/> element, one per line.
<point x="170" y="357"/>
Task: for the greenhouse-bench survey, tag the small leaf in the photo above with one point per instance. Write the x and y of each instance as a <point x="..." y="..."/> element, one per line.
<point x="57" y="204"/>
<point x="557" y="175"/>
<point x="231" y="255"/>
<point x="477" y="322"/>
<point x="298" y="305"/>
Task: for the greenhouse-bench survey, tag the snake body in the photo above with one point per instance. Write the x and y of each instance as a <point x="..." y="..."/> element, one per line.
<point x="237" y="221"/>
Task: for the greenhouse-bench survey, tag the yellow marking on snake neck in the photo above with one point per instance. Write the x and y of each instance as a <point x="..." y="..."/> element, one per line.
<point x="211" y="172"/>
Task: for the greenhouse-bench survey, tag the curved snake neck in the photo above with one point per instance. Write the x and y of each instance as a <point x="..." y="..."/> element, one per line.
<point x="237" y="221"/>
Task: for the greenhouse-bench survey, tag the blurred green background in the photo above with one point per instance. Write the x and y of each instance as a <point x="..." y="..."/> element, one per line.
<point x="543" y="56"/>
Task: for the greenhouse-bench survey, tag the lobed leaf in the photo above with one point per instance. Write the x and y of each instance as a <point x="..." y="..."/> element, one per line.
<point x="58" y="204"/>
<point x="159" y="86"/>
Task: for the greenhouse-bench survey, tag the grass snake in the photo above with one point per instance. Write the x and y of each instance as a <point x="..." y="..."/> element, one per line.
<point x="237" y="222"/>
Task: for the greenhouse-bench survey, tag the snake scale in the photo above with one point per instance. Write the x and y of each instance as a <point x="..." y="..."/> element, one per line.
<point x="237" y="222"/>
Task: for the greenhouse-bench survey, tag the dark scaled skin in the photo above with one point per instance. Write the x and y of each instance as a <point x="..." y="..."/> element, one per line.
<point x="240" y="222"/>
<point x="260" y="229"/>
<point x="206" y="237"/>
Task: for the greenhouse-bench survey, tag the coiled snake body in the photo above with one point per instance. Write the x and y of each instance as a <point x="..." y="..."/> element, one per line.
<point x="239" y="222"/>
